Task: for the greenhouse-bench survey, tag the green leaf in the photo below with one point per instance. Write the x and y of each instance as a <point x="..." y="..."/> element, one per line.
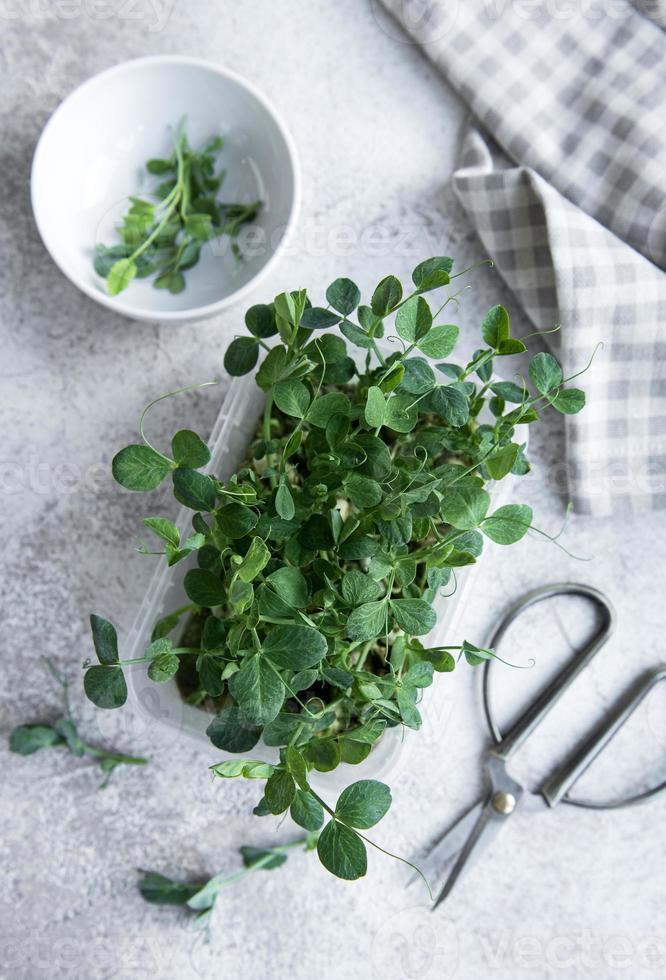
<point x="296" y="765"/>
<point x="120" y="276"/>
<point x="353" y="753"/>
<point x="415" y="616"/>
<point x="163" y="667"/>
<point x="105" y="686"/>
<point x="386" y="296"/>
<point x="510" y="346"/>
<point x="284" y="502"/>
<point x="296" y="647"/>
<point x="236" y="520"/>
<point x="440" y="341"/>
<point x="502" y="461"/>
<point x="401" y="413"/>
<point x="545" y="372"/>
<point x="280" y="792"/>
<point x="363" y="804"/>
<point x="362" y="491"/>
<point x="260" y="320"/>
<point x="303" y="680"/>
<point x="210" y="670"/>
<point x="442" y="660"/>
<point x="338" y="677"/>
<point x="569" y="401"/>
<point x="451" y="404"/>
<point x="306" y="811"/>
<point x="378" y="463"/>
<point x="241" y="356"/>
<point x="164" y="529"/>
<point x="420" y="674"/>
<point x="413" y="319"/>
<point x="253" y="856"/>
<point x="272" y="368"/>
<point x="326" y="406"/>
<point x="157" y="889"/>
<point x="290" y="306"/>
<point x="293" y="443"/>
<point x="204" y="588"/>
<point x="189" y="450"/>
<point x="199" y="226"/>
<point x="292" y="398"/>
<point x="358" y="588"/>
<point x="356" y="336"/>
<point x="418" y="378"/>
<point x="433" y="273"/>
<point x="370" y="322"/>
<point x="368" y="621"/>
<point x="324" y="755"/>
<point x="466" y="507"/>
<point x="495" y="327"/>
<point x="189" y="256"/>
<point x="173" y="280"/>
<point x="394" y="377"/>
<point x="290" y="586"/>
<point x="367" y="733"/>
<point x="27" y="739"/>
<point x="157" y="166"/>
<point x="317" y="318"/>
<point x="247" y="768"/>
<point x="214" y="634"/>
<point x="476" y="655"/>
<point x="257" y="690"/>
<point x="406" y="698"/>
<point x="195" y="490"/>
<point x="105" y="639"/>
<point x="229" y="731"/>
<point x="342" y="852"/>
<point x="139" y="467"/>
<point x="375" y="407"/>
<point x="67" y="729"/>
<point x="255" y="560"/>
<point x="509" y="391"/>
<point x="508" y="524"/>
<point x="344" y="296"/>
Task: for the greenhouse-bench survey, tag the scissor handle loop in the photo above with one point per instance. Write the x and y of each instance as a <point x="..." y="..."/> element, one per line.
<point x="506" y="745"/>
<point x="555" y="789"/>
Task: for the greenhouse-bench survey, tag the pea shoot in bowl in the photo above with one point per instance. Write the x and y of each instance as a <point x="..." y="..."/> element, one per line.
<point x="165" y="188"/>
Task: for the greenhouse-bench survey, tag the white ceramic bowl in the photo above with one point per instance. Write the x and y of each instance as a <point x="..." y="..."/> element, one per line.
<point x="91" y="157"/>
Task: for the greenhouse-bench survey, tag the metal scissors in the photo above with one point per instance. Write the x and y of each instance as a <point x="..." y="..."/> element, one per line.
<point x="476" y="829"/>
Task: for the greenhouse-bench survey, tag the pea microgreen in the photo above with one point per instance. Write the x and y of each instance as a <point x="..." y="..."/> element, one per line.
<point x="163" y="236"/>
<point x="315" y="568"/>
<point x="63" y="733"/>
<point x="200" y="897"/>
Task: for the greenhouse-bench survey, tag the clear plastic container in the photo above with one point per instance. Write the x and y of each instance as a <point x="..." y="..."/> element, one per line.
<point x="233" y="430"/>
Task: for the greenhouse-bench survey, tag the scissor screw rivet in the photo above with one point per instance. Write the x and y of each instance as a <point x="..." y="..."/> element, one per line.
<point x="504" y="802"/>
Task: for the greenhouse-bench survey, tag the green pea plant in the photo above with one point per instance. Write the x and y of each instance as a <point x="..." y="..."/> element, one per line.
<point x="319" y="560"/>
<point x="200" y="897"/>
<point x="28" y="739"/>
<point x="164" y="236"/>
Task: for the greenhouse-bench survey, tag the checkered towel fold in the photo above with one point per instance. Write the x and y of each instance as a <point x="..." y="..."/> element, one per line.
<point x="568" y="194"/>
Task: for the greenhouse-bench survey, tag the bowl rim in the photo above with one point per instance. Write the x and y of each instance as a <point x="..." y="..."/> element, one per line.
<point x="121" y="307"/>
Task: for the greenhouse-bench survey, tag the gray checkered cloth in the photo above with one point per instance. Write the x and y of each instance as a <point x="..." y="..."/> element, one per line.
<point x="569" y="199"/>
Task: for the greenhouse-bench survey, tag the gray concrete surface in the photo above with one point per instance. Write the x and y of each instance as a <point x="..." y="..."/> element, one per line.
<point x="570" y="893"/>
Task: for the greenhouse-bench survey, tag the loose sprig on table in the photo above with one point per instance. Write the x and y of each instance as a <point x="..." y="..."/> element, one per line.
<point x="200" y="897"/>
<point x="164" y="237"/>
<point x="319" y="561"/>
<point x="28" y="739"/>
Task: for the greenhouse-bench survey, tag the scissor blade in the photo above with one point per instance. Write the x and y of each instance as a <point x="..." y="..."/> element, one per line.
<point x="484" y="831"/>
<point x="435" y="865"/>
